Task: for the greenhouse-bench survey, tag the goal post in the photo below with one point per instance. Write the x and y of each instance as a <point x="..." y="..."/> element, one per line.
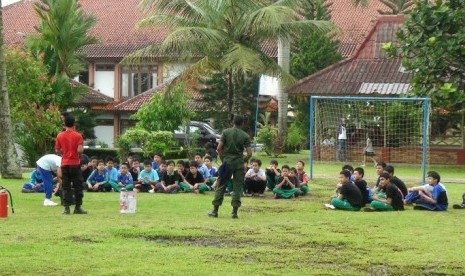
<point x="397" y="128"/>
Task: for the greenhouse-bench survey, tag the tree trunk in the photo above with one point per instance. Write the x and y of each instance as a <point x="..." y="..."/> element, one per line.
<point x="9" y="165"/>
<point x="284" y="54"/>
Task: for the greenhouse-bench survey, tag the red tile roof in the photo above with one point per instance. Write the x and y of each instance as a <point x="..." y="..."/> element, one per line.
<point x="118" y="34"/>
<point x="368" y="71"/>
<point x="133" y="104"/>
<point x="91" y="97"/>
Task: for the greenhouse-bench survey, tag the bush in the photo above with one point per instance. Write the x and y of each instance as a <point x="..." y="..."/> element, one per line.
<point x="175" y="154"/>
<point x="149" y="141"/>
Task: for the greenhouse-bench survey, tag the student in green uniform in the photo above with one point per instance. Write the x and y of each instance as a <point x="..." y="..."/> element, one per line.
<point x="349" y="197"/>
<point x="287" y="185"/>
<point x="394" y="200"/>
<point x="231" y="151"/>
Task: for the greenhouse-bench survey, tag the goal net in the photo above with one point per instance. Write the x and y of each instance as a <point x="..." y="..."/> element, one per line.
<point x="349" y="130"/>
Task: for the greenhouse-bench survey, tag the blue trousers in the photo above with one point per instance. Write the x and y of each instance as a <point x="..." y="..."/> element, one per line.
<point x="47" y="179"/>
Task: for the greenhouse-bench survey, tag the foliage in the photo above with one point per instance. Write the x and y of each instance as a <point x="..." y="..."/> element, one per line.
<point x="224" y="36"/>
<point x="62" y="32"/>
<point x="213" y="97"/>
<point x="294" y="137"/>
<point x="398" y="117"/>
<point x="155" y="116"/>
<point x="396" y="6"/>
<point x="102" y="153"/>
<point x="314" y="53"/>
<point x="149" y="141"/>
<point x="36" y="121"/>
<point x="85" y="122"/>
<point x="431" y="47"/>
<point x="266" y="133"/>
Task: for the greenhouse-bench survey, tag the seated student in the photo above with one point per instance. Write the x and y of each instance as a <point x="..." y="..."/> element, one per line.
<point x="203" y="170"/>
<point x="98" y="179"/>
<point x="208" y="162"/>
<point x="148" y="178"/>
<point x="169" y="180"/>
<point x="157" y="158"/>
<point x="287" y="185"/>
<point x="302" y="176"/>
<point x="35" y="183"/>
<point x="193" y="179"/>
<point x="135" y="169"/>
<point x="255" y="179"/>
<point x="349" y="197"/>
<point x="86" y="170"/>
<point x="361" y="184"/>
<point x="350" y="169"/>
<point x="272" y="175"/>
<point x="125" y="181"/>
<point x="437" y="201"/>
<point x="460" y="206"/>
<point x="396" y="181"/>
<point x="182" y="169"/>
<point x="112" y="173"/>
<point x="413" y="195"/>
<point x="393" y="200"/>
<point x="161" y="168"/>
<point x="93" y="163"/>
<point x="379" y="170"/>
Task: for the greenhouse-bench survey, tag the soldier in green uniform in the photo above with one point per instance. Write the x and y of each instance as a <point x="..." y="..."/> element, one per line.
<point x="231" y="152"/>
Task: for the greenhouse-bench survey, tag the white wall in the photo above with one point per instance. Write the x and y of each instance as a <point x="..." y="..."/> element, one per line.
<point x="172" y="70"/>
<point x="105" y="82"/>
<point x="105" y="134"/>
<point x="268" y="85"/>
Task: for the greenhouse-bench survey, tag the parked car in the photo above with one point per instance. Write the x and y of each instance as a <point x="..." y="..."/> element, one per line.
<point x="202" y="130"/>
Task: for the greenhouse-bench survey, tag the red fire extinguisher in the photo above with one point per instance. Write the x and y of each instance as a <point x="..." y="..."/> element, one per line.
<point x="4" y="202"/>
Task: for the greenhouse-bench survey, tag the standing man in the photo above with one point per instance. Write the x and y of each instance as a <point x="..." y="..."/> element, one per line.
<point x="341" y="151"/>
<point x="231" y="152"/>
<point x="69" y="144"/>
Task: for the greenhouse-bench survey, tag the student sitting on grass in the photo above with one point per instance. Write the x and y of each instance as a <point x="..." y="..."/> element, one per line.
<point x="393" y="200"/>
<point x="350" y="169"/>
<point x="379" y="170"/>
<point x="413" y="195"/>
<point x="98" y="179"/>
<point x="272" y="175"/>
<point x="302" y="176"/>
<point x="135" y="169"/>
<point x="182" y="169"/>
<point x="112" y="173"/>
<point x="169" y="180"/>
<point x="125" y="181"/>
<point x="148" y="178"/>
<point x="437" y="201"/>
<point x="287" y="186"/>
<point x="255" y="179"/>
<point x="361" y="184"/>
<point x="349" y="197"/>
<point x="396" y="181"/>
<point x="157" y="158"/>
<point x="35" y="183"/>
<point x="193" y="179"/>
<point x="161" y="168"/>
<point x="86" y="171"/>
<point x="201" y="168"/>
<point x="212" y="170"/>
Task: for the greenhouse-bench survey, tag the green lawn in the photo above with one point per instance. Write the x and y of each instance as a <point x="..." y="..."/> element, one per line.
<point x="171" y="234"/>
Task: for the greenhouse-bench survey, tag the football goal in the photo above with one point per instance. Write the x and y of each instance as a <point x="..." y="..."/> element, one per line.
<point x="354" y="129"/>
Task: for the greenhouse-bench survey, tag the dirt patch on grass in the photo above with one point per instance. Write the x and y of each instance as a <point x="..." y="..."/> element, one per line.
<point x="202" y="241"/>
<point x="266" y="209"/>
<point x="78" y="239"/>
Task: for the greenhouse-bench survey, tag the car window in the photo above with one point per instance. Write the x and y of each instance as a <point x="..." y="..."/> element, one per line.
<point x="210" y="129"/>
<point x="180" y="130"/>
<point x="194" y="129"/>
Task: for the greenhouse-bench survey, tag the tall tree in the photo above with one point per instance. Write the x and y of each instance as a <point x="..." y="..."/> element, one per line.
<point x="9" y="163"/>
<point x="61" y="34"/>
<point x="225" y="36"/>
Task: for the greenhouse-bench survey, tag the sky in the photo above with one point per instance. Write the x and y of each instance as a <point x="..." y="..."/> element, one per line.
<point x="7" y="2"/>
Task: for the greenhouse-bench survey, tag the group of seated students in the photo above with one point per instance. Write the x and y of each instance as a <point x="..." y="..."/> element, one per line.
<point x="196" y="176"/>
<point x="388" y="194"/>
<point x="199" y="176"/>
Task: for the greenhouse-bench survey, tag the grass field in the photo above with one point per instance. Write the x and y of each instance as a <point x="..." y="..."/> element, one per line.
<point x="171" y="234"/>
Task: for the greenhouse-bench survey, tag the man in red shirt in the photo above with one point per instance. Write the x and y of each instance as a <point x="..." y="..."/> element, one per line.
<point x="69" y="144"/>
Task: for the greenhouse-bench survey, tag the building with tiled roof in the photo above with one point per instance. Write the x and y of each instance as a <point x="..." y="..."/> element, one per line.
<point x="118" y="36"/>
<point x="368" y="72"/>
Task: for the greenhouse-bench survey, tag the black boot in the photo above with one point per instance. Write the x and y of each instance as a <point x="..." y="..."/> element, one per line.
<point x="66" y="211"/>
<point x="214" y="213"/>
<point x="78" y="210"/>
<point x="234" y="213"/>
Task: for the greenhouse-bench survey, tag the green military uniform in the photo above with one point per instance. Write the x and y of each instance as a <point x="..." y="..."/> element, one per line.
<point x="235" y="140"/>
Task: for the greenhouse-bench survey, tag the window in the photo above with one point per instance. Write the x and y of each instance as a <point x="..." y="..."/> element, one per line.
<point x="194" y="129"/>
<point x="137" y="80"/>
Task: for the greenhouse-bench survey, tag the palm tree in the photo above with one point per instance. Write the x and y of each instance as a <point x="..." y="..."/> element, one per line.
<point x="9" y="165"/>
<point x="225" y="36"/>
<point x="396" y="6"/>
